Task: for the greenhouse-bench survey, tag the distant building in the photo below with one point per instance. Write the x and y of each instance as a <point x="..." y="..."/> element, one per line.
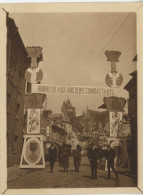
<point x="131" y="87"/>
<point x="92" y="123"/>
<point x="60" y="131"/>
<point x="17" y="63"/>
<point x="68" y="110"/>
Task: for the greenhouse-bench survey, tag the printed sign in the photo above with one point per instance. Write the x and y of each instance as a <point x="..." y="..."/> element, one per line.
<point x="33" y="121"/>
<point x="116" y="124"/>
<point x="73" y="90"/>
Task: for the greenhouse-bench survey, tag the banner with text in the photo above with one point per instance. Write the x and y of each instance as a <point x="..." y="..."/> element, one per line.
<point x="72" y="90"/>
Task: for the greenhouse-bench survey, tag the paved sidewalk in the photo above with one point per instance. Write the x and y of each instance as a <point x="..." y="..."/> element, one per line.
<point x="15" y="172"/>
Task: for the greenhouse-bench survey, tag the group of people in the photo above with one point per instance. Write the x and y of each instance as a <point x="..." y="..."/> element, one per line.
<point x="93" y="156"/>
<point x="64" y="158"/>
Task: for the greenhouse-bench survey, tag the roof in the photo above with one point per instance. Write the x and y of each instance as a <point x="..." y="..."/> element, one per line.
<point x="99" y="116"/>
<point x="58" y="128"/>
<point x="129" y="84"/>
<point x="134" y="73"/>
<point x="102" y="106"/>
<point x="67" y="104"/>
<point x="135" y="59"/>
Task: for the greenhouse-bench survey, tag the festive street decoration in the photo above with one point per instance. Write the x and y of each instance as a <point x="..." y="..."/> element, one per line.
<point x="35" y="53"/>
<point x="113" y="78"/>
<point x="116" y="105"/>
<point x="34" y="100"/>
<point x="116" y="124"/>
<point x="33" y="75"/>
<point x="33" y="153"/>
<point x="33" y="121"/>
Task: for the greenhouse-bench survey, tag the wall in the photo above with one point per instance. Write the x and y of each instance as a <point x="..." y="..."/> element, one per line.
<point x="17" y="63"/>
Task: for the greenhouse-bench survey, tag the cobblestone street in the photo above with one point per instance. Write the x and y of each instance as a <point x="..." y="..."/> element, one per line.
<point x="42" y="178"/>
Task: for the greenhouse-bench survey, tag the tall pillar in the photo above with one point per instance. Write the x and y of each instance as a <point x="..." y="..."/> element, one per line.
<point x="115" y="106"/>
<point x="33" y="152"/>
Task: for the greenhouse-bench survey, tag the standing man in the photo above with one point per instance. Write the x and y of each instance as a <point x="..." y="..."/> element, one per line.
<point x="110" y="155"/>
<point x="52" y="156"/>
<point x="77" y="158"/>
<point x="93" y="157"/>
<point x="65" y="159"/>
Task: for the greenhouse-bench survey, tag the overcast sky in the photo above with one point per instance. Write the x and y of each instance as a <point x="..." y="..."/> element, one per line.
<point x="74" y="46"/>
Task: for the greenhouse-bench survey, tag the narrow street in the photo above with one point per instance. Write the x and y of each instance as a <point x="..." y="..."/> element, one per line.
<point x="42" y="178"/>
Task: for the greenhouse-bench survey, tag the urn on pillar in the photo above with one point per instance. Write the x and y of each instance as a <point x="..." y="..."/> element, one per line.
<point x="34" y="100"/>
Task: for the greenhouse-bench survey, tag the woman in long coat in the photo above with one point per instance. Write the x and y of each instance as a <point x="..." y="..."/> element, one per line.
<point x="77" y="158"/>
<point x="65" y="158"/>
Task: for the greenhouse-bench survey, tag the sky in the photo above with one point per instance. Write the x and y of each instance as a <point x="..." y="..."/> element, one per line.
<point x="74" y="46"/>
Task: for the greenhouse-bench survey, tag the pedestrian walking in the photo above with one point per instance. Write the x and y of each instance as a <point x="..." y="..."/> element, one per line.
<point x="52" y="156"/>
<point x="65" y="159"/>
<point x="77" y="158"/>
<point x="110" y="155"/>
<point x="93" y="157"/>
<point x="100" y="155"/>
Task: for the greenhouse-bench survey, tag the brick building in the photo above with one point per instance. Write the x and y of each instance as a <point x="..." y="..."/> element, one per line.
<point x="17" y="63"/>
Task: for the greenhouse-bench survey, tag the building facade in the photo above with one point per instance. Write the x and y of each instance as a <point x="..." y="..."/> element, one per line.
<point x="68" y="110"/>
<point x="131" y="87"/>
<point x="92" y="124"/>
<point x="17" y="63"/>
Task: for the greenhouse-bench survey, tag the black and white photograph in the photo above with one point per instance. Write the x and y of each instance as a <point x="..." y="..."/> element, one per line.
<point x="71" y="99"/>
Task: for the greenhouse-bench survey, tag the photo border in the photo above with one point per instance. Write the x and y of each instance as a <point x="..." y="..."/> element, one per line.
<point x="136" y="7"/>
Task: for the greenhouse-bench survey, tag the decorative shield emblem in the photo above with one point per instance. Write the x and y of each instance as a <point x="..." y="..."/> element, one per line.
<point x="114" y="79"/>
<point x="33" y="75"/>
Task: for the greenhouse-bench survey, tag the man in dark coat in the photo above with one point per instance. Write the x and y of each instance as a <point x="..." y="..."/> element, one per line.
<point x="110" y="155"/>
<point x="77" y="158"/>
<point x="93" y="157"/>
<point x="65" y="159"/>
<point x="52" y="156"/>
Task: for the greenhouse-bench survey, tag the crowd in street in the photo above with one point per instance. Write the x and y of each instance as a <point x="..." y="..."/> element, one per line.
<point x="93" y="155"/>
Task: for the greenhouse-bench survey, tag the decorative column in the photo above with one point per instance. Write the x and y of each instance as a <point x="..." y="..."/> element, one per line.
<point x="33" y="153"/>
<point x="113" y="78"/>
<point x="115" y="106"/>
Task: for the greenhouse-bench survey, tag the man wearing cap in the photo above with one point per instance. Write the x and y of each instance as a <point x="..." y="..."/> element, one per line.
<point x="52" y="156"/>
<point x="110" y="155"/>
<point x="93" y="156"/>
